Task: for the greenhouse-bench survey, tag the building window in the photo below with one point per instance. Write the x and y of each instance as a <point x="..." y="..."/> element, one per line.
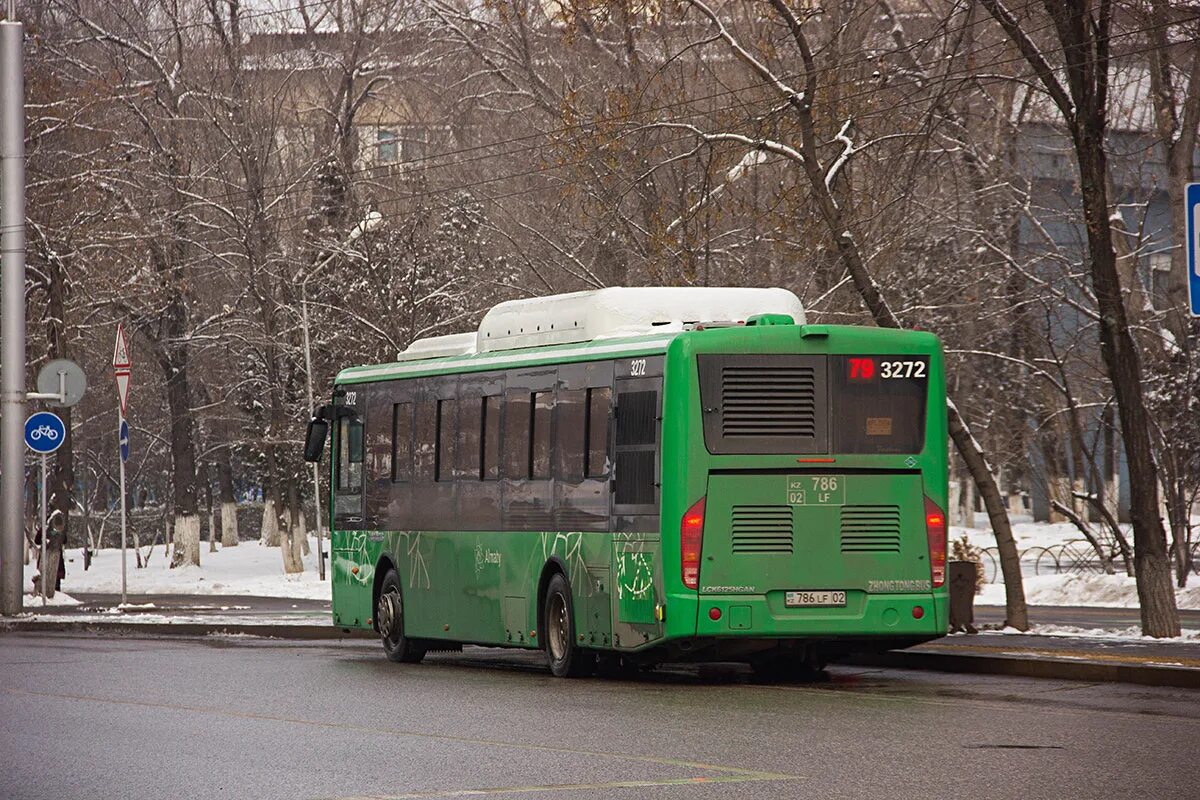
<point x="416" y="144"/>
<point x="387" y="146"/>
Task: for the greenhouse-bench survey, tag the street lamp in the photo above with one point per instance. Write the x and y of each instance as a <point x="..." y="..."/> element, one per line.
<point x="370" y="222"/>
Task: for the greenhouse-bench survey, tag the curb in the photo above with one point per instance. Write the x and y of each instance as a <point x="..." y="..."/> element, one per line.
<point x="263" y="630"/>
<point x="1096" y="671"/>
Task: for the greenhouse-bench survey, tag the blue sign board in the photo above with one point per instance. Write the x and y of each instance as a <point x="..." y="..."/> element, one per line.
<point x="124" y="439"/>
<point x="1192" y="213"/>
<point x="44" y="432"/>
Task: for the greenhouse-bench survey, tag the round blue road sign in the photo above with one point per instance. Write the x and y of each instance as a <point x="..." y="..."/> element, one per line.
<point x="44" y="432"/>
<point x="124" y="439"/>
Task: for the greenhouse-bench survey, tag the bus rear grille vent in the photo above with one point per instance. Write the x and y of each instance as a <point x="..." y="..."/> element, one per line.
<point x="761" y="529"/>
<point x="870" y="529"/>
<point x="774" y="400"/>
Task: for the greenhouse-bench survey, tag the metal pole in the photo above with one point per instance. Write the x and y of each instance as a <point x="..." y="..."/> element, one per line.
<point x="121" y="459"/>
<point x="312" y="410"/>
<point x="45" y="533"/>
<point x="12" y="313"/>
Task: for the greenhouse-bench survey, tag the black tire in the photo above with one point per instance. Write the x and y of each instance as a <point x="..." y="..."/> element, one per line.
<point x="389" y="619"/>
<point x="563" y="654"/>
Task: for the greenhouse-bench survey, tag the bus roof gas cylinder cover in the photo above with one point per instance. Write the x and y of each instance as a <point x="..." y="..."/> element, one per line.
<point x="760" y="320"/>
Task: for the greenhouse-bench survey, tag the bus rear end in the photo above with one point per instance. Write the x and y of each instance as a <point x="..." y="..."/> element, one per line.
<point x="808" y="478"/>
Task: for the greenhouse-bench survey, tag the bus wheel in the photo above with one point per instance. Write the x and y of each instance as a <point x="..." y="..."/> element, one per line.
<point x="567" y="660"/>
<point x="389" y="616"/>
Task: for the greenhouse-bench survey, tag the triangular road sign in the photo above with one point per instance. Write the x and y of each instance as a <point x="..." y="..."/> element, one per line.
<point x="121" y="349"/>
<point x="123" y="389"/>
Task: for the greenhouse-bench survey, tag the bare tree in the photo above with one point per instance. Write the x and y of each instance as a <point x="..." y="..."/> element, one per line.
<point x="1082" y="32"/>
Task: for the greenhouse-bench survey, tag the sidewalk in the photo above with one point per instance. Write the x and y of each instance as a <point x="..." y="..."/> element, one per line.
<point x="1083" y="652"/>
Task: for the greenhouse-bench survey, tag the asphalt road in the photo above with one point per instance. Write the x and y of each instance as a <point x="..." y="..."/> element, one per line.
<point x="224" y="605"/>
<point x="88" y="717"/>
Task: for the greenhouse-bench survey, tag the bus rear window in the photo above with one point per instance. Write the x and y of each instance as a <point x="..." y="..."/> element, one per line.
<point x="878" y="403"/>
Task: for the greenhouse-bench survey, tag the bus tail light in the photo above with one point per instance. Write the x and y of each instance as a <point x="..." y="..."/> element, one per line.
<point x="935" y="530"/>
<point x="691" y="539"/>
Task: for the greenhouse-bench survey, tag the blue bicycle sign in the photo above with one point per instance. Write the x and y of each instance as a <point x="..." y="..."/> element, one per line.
<point x="44" y="432"/>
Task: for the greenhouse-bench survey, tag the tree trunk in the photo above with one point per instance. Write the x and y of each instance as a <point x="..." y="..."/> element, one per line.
<point x="966" y="498"/>
<point x="1160" y="617"/>
<point x="269" y="536"/>
<point x="1083" y="101"/>
<point x="1016" y="612"/>
<point x="1177" y="517"/>
<point x="208" y="502"/>
<point x="173" y="360"/>
<point x="229" y="522"/>
<point x="289" y="529"/>
<point x="1112" y="472"/>
<point x="229" y="525"/>
<point x="187" y="541"/>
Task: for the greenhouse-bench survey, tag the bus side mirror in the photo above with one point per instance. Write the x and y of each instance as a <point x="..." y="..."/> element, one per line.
<point x="314" y="441"/>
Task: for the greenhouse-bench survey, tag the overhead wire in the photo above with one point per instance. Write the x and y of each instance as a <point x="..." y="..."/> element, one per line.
<point x="396" y="196"/>
<point x="439" y="160"/>
<point x="688" y="101"/>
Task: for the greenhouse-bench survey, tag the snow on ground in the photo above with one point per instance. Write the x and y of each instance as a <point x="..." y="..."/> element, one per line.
<point x="1062" y="589"/>
<point x="248" y="569"/>
<point x="1089" y="589"/>
<point x="59" y="599"/>
<point x="115" y="615"/>
<point x="1130" y="634"/>
<point x="1027" y="533"/>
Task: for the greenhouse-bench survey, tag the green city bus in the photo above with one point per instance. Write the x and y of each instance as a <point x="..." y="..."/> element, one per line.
<point x="633" y="476"/>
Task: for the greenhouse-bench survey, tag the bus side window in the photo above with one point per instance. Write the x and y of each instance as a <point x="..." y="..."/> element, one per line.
<point x="571" y="411"/>
<point x="470" y="429"/>
<point x="516" y="434"/>
<point x="447" y="417"/>
<point x="350" y="455"/>
<point x="539" y="449"/>
<point x="636" y="440"/>
<point x="402" y="431"/>
<point x="425" y="428"/>
<point x="599" y="404"/>
<point x="490" y="439"/>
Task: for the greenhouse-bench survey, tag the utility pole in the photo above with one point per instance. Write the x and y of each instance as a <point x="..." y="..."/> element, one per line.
<point x="12" y="312"/>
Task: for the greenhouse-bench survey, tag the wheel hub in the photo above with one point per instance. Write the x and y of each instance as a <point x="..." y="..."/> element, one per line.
<point x="389" y="615"/>
<point x="558" y="627"/>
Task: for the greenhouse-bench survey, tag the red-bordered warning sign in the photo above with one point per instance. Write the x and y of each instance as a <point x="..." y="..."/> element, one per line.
<point x="121" y="349"/>
<point x="121" y="366"/>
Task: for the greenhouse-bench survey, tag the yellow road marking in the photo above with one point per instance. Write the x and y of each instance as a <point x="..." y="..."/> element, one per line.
<point x="572" y="787"/>
<point x="729" y="774"/>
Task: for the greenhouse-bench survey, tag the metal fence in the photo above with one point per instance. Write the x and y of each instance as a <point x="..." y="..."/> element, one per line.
<point x="1076" y="556"/>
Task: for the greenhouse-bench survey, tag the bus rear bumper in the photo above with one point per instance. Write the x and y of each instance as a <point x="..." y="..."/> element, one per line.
<point x="900" y="616"/>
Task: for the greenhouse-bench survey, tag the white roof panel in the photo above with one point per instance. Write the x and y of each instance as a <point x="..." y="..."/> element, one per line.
<point x="605" y="314"/>
<point x="620" y="311"/>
